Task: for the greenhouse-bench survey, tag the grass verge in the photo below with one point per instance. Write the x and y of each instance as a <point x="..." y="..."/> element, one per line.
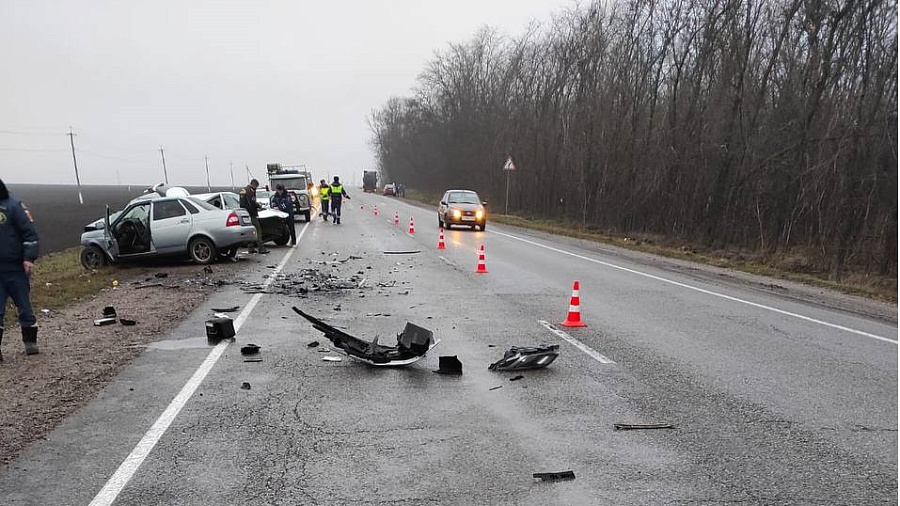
<point x="773" y="266"/>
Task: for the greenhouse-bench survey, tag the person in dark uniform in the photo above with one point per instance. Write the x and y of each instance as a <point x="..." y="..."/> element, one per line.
<point x="337" y="193"/>
<point x="248" y="202"/>
<point x="18" y="252"/>
<point x="282" y="201"/>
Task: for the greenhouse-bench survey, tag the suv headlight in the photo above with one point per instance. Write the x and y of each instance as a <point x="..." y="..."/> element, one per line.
<point x="457" y="213"/>
<point x="479" y="214"/>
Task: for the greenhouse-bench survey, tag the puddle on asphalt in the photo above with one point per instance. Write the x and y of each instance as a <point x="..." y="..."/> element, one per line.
<point x="181" y="344"/>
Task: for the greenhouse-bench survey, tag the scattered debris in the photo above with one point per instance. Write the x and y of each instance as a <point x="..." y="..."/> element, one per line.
<point x="45" y="311"/>
<point x="562" y="476"/>
<point x="412" y="344"/>
<point x="250" y="349"/>
<point x="245" y="386"/>
<point x="126" y="322"/>
<point x="208" y="270"/>
<point x="105" y="321"/>
<point x="313" y="344"/>
<point x="253" y="359"/>
<point x="495" y="388"/>
<point x="410" y="252"/>
<point x="516" y="378"/>
<point x="331" y="358"/>
<point x="148" y="286"/>
<point x="449" y="364"/>
<point x="219" y="328"/>
<point x="109" y="312"/>
<point x="520" y="358"/>
<point x="161" y="275"/>
<point x="642" y="426"/>
<point x="226" y="309"/>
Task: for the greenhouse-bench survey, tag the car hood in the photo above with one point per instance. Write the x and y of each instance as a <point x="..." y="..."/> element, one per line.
<point x="272" y="213"/>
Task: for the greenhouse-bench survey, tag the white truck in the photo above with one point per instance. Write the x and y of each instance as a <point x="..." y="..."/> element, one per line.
<point x="296" y="182"/>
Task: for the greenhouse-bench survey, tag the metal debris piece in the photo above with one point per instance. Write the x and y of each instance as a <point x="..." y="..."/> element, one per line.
<point x="126" y="322"/>
<point x="313" y="344"/>
<point x="109" y="312"/>
<point x="519" y="358"/>
<point x="250" y="349"/>
<point x="449" y="364"/>
<point x="495" y="388"/>
<point x="407" y="252"/>
<point x="253" y="359"/>
<point x="642" y="426"/>
<point x="561" y="476"/>
<point x="331" y="358"/>
<point x="412" y="344"/>
<point x="208" y="270"/>
<point x="245" y="386"/>
<point x="105" y="321"/>
<point x="516" y="378"/>
<point x="226" y="309"/>
<point x="151" y="285"/>
<point x="161" y="275"/>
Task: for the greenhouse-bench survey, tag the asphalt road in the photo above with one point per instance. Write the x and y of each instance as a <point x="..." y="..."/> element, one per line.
<point x="775" y="401"/>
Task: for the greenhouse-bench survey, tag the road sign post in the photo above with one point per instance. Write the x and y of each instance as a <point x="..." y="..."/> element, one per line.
<point x="508" y="167"/>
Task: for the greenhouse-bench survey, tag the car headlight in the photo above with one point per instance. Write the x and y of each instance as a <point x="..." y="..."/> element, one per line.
<point x="479" y="214"/>
<point x="457" y="213"/>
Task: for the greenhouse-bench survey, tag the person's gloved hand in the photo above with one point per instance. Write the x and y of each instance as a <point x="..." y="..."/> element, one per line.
<point x="28" y="266"/>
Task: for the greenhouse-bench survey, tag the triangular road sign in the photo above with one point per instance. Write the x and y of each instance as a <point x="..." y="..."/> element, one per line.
<point x="509" y="165"/>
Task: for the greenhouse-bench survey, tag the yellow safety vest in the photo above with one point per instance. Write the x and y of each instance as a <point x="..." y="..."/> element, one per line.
<point x="337" y="189"/>
<point x="323" y="193"/>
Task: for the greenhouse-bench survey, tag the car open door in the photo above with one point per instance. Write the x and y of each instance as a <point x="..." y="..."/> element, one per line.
<point x="170" y="226"/>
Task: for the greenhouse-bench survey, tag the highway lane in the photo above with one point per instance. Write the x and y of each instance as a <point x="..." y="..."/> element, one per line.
<point x="756" y="395"/>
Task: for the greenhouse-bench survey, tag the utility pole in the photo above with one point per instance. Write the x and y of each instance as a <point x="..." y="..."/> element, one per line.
<point x="75" y="162"/>
<point x="231" y="169"/>
<point x="165" y="172"/>
<point x="208" y="187"/>
<point x="249" y="174"/>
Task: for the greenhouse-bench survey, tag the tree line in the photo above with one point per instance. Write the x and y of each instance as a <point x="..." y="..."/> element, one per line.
<point x="768" y="125"/>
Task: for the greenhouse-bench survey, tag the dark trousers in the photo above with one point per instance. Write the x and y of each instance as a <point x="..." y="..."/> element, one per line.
<point x="16" y="285"/>
<point x="336" y="209"/>
<point x="325" y="211"/>
<point x="290" y="224"/>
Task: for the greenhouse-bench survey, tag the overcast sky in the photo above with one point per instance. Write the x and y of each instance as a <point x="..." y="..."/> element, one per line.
<point x="251" y="81"/>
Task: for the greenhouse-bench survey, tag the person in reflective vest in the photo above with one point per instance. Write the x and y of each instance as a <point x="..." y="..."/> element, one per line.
<point x="337" y="194"/>
<point x="324" y="198"/>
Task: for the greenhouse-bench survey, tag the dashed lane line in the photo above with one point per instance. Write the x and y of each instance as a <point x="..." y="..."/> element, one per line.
<point x="576" y="343"/>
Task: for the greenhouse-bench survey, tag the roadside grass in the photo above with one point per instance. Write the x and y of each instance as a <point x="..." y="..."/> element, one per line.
<point x="59" y="280"/>
<point x="791" y="266"/>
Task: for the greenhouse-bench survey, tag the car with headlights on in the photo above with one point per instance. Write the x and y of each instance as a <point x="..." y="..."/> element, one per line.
<point x="462" y="207"/>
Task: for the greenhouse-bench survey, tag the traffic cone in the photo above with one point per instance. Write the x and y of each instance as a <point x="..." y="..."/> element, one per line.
<point x="396" y="218"/>
<point x="376" y="209"/>
<point x="412" y="228"/>
<point x="481" y="269"/>
<point x="441" y="244"/>
<point x="574" y="317"/>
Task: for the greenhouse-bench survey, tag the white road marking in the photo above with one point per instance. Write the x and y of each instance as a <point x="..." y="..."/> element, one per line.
<point x="701" y="290"/>
<point x="133" y="461"/>
<point x="576" y="343"/>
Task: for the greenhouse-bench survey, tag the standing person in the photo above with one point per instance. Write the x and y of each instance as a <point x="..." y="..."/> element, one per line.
<point x="337" y="193"/>
<point x="324" y="199"/>
<point x="248" y="202"/>
<point x="18" y="252"/>
<point x="282" y="201"/>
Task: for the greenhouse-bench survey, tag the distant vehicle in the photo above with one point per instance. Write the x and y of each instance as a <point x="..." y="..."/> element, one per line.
<point x="462" y="207"/>
<point x="389" y="189"/>
<point x="154" y="226"/>
<point x="274" y="223"/>
<point x="264" y="197"/>
<point x="370" y="181"/>
<point x="298" y="185"/>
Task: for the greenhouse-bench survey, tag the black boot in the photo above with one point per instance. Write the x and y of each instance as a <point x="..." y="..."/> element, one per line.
<point x="29" y="337"/>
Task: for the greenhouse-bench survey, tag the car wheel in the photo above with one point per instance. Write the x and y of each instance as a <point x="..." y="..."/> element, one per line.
<point x="447" y="224"/>
<point x="440" y="222"/>
<point x="483" y="226"/>
<point x="92" y="257"/>
<point x="228" y="253"/>
<point x="306" y="216"/>
<point x="281" y="240"/>
<point x="202" y="250"/>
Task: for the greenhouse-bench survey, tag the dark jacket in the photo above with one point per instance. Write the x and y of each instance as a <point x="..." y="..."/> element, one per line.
<point x="283" y="203"/>
<point x="18" y="237"/>
<point x="248" y="201"/>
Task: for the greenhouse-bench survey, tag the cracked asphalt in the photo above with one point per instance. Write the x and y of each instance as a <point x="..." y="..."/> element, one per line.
<point x="769" y="409"/>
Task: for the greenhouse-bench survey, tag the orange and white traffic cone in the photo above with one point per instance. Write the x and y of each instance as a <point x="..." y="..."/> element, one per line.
<point x="482" y="268"/>
<point x="376" y="209"/>
<point x="574" y="317"/>
<point x="396" y="218"/>
<point x="412" y="228"/>
<point x="441" y="244"/>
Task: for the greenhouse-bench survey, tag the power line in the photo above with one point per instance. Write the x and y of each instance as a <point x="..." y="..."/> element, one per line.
<point x="19" y="132"/>
<point x="38" y="150"/>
